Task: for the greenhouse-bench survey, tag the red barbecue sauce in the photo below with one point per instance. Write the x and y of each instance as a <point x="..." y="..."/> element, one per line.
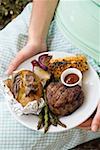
<point x="71" y="78"/>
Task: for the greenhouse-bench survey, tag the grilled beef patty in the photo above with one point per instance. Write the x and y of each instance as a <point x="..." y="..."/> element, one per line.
<point x="63" y="100"/>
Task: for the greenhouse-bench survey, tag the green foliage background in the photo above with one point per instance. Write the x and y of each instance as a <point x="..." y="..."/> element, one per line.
<point x="9" y="9"/>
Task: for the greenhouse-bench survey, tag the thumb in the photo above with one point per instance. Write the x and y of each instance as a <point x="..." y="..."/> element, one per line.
<point x="96" y="121"/>
<point x="20" y="57"/>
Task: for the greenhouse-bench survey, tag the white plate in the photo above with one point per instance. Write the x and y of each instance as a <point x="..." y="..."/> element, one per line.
<point x="91" y="88"/>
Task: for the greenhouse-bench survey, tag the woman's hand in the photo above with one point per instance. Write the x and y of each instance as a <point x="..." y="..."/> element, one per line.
<point x="42" y="14"/>
<point x="92" y="123"/>
<point x="31" y="48"/>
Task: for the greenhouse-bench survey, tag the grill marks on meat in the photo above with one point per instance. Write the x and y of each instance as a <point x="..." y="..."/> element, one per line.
<point x="63" y="100"/>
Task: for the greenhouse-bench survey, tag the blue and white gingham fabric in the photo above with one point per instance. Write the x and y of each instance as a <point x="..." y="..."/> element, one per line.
<point x="13" y="135"/>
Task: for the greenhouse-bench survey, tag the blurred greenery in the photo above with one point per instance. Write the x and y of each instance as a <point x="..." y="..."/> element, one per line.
<point x="9" y="9"/>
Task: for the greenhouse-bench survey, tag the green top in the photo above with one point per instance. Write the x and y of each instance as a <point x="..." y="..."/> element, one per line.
<point x="80" y="23"/>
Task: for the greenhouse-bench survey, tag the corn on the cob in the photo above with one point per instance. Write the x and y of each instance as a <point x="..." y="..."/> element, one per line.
<point x="57" y="66"/>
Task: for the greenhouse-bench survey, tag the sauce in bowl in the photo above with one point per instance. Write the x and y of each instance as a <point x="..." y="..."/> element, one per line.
<point x="71" y="78"/>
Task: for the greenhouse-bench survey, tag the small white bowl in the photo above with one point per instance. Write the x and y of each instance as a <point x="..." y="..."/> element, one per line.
<point x="69" y="71"/>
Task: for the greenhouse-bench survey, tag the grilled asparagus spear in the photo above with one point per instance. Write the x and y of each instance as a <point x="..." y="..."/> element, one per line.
<point x="41" y="120"/>
<point x="46" y="119"/>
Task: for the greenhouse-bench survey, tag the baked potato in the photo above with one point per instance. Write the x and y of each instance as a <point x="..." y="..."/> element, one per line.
<point x="25" y="86"/>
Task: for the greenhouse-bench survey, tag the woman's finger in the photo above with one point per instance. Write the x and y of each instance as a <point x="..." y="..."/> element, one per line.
<point x="20" y="57"/>
<point x="28" y="51"/>
<point x="96" y="121"/>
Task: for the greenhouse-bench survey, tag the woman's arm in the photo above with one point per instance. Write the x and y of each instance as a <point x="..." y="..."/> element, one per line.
<point x="42" y="14"/>
<point x="95" y="126"/>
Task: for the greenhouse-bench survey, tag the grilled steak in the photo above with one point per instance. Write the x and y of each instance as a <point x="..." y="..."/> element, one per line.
<point x="62" y="100"/>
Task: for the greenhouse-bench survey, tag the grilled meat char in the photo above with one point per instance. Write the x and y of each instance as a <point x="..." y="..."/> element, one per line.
<point x="63" y="100"/>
